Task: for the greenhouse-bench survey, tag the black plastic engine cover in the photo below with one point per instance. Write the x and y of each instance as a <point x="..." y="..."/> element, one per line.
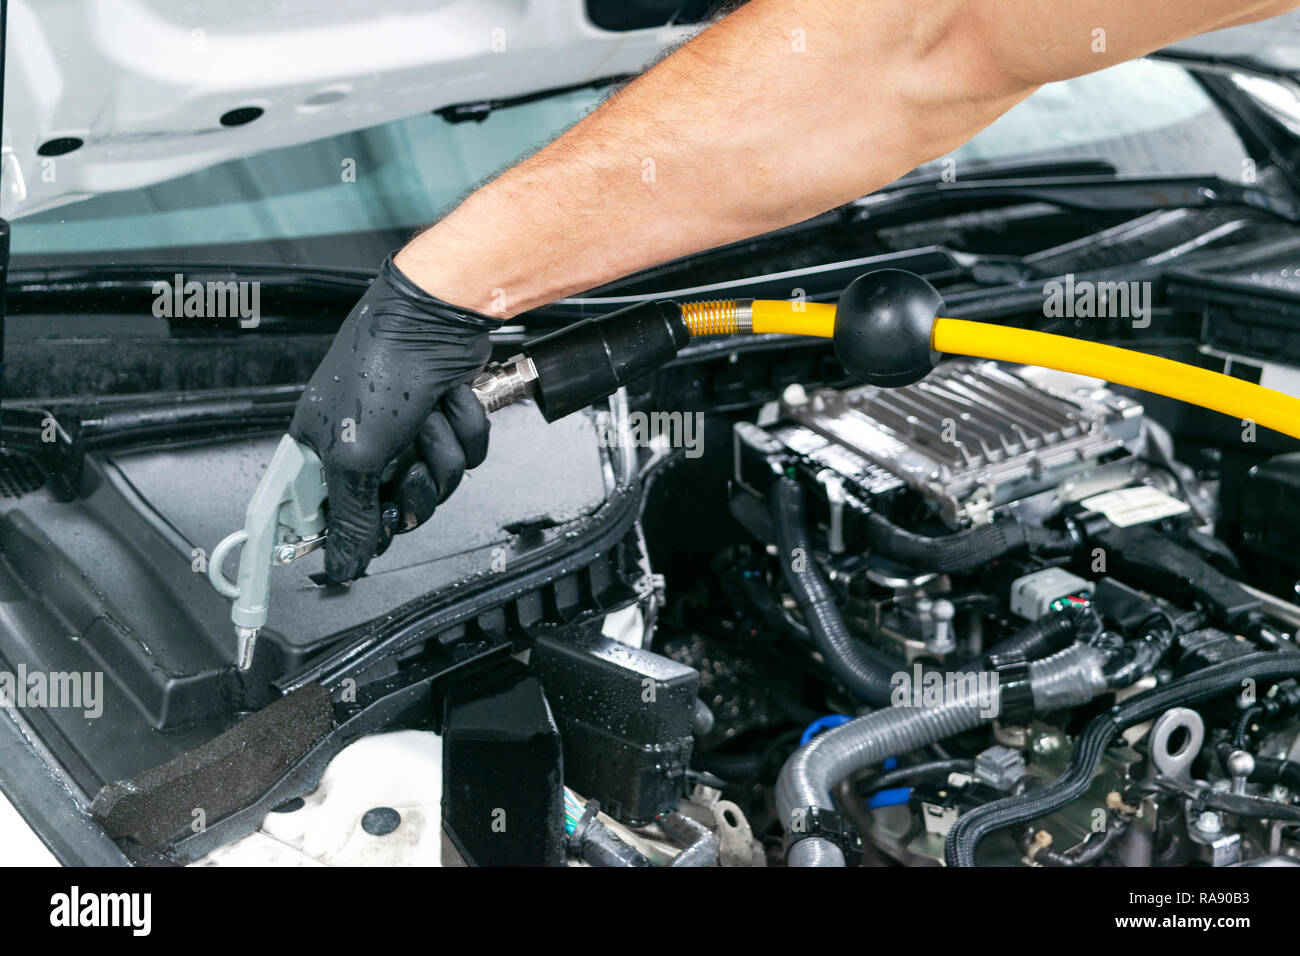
<point x="111" y="583"/>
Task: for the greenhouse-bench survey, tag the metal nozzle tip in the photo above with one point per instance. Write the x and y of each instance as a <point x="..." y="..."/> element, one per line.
<point x="245" y="644"/>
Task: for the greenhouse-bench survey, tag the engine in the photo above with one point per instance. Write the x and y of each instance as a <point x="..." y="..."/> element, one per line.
<point x="978" y="620"/>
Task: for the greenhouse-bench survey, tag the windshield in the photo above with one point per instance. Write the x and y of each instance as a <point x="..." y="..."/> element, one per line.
<point x="349" y="200"/>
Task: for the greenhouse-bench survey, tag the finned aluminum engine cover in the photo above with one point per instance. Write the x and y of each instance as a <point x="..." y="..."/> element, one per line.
<point x="969" y="437"/>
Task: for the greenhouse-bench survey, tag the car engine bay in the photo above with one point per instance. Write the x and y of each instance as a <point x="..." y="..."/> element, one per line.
<point x="748" y="611"/>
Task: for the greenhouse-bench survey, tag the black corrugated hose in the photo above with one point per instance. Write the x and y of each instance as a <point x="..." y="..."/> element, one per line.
<point x="1039" y="638"/>
<point x="964" y="550"/>
<point x="867" y="673"/>
<point x="1135" y="659"/>
<point x="1241" y="727"/>
<point x="965" y="835"/>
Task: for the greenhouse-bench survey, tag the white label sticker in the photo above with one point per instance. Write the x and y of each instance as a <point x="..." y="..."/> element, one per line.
<point x="1138" y="505"/>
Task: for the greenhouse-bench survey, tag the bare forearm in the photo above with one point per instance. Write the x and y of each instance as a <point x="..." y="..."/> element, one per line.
<point x="783" y="110"/>
<point x="1042" y="41"/>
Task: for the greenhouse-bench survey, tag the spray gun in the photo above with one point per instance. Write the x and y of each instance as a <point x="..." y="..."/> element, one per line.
<point x="886" y="331"/>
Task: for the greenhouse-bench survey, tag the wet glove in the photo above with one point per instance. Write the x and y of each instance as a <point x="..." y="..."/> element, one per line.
<point x="392" y="391"/>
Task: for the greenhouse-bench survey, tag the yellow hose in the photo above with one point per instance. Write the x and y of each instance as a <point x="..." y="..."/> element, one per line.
<point x="1187" y="383"/>
<point x="794" y="318"/>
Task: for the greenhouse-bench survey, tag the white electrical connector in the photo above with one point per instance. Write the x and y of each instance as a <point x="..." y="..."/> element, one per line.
<point x="1033" y="595"/>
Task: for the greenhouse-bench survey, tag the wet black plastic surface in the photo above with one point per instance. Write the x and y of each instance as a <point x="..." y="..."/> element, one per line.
<point x="106" y="583"/>
<point x="534" y="471"/>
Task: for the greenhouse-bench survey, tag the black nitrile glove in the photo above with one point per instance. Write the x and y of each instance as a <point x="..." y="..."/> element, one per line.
<point x="393" y="386"/>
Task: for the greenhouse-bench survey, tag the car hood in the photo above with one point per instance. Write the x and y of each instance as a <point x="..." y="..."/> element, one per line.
<point x="102" y="95"/>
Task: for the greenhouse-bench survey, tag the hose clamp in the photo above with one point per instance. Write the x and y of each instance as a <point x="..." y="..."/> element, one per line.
<point x="824" y="824"/>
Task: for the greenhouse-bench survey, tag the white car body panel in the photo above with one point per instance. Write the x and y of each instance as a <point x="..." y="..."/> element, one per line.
<point x="144" y="83"/>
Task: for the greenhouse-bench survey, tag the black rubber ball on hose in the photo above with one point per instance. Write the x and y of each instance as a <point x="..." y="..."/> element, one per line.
<point x="883" y="323"/>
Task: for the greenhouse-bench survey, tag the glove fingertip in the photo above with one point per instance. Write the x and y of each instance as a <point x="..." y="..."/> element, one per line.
<point x="470" y="423"/>
<point x="417" y="496"/>
<point x="353" y="526"/>
<point x="344" y="567"/>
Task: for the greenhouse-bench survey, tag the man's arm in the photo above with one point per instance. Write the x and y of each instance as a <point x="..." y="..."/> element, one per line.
<point x="782" y="110"/>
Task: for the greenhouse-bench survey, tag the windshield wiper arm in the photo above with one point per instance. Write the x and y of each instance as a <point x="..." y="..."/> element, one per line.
<point x="1084" y="193"/>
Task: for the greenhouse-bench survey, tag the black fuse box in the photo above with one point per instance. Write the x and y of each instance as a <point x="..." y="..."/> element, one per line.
<point x="625" y="719"/>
